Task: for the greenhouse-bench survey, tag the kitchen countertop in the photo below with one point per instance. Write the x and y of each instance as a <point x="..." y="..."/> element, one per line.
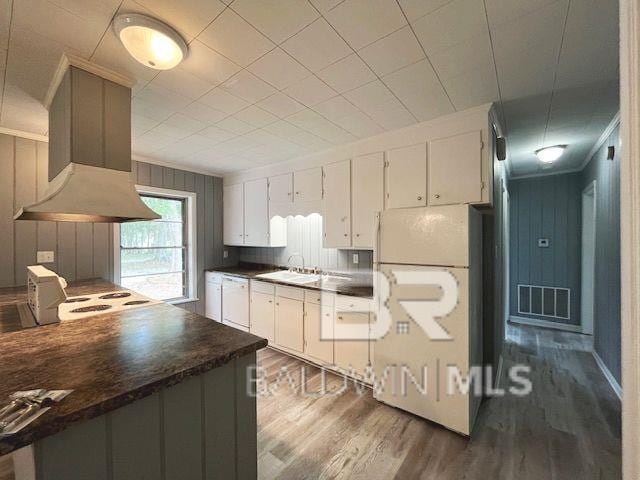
<point x="358" y="285"/>
<point x="109" y="360"/>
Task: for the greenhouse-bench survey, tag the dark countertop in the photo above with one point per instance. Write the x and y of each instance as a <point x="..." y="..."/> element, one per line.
<point x="356" y="285"/>
<point x="109" y="360"/>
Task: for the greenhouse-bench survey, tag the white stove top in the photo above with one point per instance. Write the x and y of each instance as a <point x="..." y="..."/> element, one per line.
<point x="98" y="303"/>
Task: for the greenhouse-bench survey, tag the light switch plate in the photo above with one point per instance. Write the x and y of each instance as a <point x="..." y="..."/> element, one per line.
<point x="356" y="258"/>
<point x="225" y="254"/>
<point x="45" y="257"/>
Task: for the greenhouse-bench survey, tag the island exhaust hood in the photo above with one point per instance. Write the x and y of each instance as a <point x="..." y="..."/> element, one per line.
<point x="89" y="149"/>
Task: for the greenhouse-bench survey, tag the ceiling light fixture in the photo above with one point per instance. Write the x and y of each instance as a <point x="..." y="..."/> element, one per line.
<point x="151" y="42"/>
<point x="550" y="154"/>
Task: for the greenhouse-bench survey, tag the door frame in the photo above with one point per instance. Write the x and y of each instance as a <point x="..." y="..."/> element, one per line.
<point x="589" y="191"/>
<point x="630" y="232"/>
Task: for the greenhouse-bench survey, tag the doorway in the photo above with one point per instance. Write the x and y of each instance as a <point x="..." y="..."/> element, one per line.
<point x="588" y="269"/>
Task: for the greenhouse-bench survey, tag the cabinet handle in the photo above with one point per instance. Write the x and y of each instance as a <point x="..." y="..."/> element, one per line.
<point x="346" y="235"/>
<point x="297" y="193"/>
<point x="270" y="301"/>
<point x="357" y="234"/>
<point x="339" y="317"/>
<point x="277" y="304"/>
<point x="419" y="197"/>
<point x="240" y="235"/>
<point x="437" y="195"/>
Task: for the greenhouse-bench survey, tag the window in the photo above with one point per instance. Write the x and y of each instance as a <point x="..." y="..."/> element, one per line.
<point x="155" y="257"/>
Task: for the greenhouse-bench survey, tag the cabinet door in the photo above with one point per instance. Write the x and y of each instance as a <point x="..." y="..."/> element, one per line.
<point x="281" y="188"/>
<point x="307" y="185"/>
<point x="314" y="345"/>
<point x="336" y="205"/>
<point x="407" y="177"/>
<point x="367" y="197"/>
<point x="233" y="214"/>
<point x="289" y="324"/>
<point x="213" y="301"/>
<point x="455" y="169"/>
<point x="351" y="355"/>
<point x="256" y="213"/>
<point x="263" y="315"/>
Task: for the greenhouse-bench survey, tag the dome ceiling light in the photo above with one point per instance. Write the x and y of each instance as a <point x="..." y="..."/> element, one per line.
<point x="151" y="42"/>
<point x="550" y="154"/>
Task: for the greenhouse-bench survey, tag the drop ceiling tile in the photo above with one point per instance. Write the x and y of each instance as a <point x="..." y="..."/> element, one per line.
<point x="361" y="22"/>
<point x="203" y="113"/>
<point x="418" y="87"/>
<point x="235" y="125"/>
<point x="392" y="115"/>
<point x="19" y="118"/>
<point x="63" y="25"/>
<point x="248" y="87"/>
<point x="208" y="64"/>
<point x="236" y="145"/>
<point x="314" y="123"/>
<point x="256" y="116"/>
<point x="473" y="88"/>
<point x="360" y="125"/>
<point x="467" y="56"/>
<point x="223" y="101"/>
<point x="451" y="24"/>
<point x="370" y="96"/>
<point x="189" y="17"/>
<point x="346" y="74"/>
<point x="151" y="109"/>
<point x="393" y="52"/>
<point x="152" y="140"/>
<point x="283" y="129"/>
<point x="178" y="126"/>
<point x="280" y="105"/>
<point x="414" y="9"/>
<point x="279" y="19"/>
<point x="233" y="37"/>
<point x="5" y="16"/>
<point x="185" y="147"/>
<point x="182" y="82"/>
<point x="325" y="5"/>
<point x="310" y="91"/>
<point x="501" y="12"/>
<point x="279" y="69"/>
<point x="216" y="134"/>
<point x="263" y="137"/>
<point x="335" y="108"/>
<point x="163" y="97"/>
<point x="317" y="46"/>
<point x="141" y="124"/>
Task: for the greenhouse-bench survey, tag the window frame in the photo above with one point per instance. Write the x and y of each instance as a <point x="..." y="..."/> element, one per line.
<point x="190" y="203"/>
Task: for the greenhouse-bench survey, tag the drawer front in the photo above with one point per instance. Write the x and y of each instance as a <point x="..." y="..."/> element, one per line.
<point x="290" y="292"/>
<point x="353" y="304"/>
<point x="263" y="287"/>
<point x="318" y="297"/>
<point x="213" y="277"/>
<point x="235" y="280"/>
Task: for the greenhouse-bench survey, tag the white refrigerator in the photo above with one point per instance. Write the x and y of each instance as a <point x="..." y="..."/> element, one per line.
<point x="416" y="361"/>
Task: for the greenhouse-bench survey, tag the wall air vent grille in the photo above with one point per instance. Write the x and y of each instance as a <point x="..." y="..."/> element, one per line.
<point x="544" y="301"/>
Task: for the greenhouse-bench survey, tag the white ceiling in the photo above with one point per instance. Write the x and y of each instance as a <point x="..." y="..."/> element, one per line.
<point x="269" y="80"/>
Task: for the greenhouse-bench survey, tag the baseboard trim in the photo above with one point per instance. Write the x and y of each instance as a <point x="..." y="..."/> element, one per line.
<point x="544" y="323"/>
<point x="608" y="375"/>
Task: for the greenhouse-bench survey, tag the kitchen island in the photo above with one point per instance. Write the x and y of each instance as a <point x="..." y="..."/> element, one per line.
<point x="158" y="392"/>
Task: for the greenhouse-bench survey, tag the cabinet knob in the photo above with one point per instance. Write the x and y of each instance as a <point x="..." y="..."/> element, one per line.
<point x="357" y="234"/>
<point x="289" y="194"/>
<point x="327" y="314"/>
<point x="419" y="197"/>
<point x="437" y="195"/>
<point x="297" y="193"/>
<point x="346" y="235"/>
<point x="240" y="235"/>
<point x="270" y="301"/>
<point x="277" y="303"/>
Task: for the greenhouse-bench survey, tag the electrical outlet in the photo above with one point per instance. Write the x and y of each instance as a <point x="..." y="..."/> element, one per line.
<point x="225" y="254"/>
<point x="356" y="258"/>
<point x="45" y="257"/>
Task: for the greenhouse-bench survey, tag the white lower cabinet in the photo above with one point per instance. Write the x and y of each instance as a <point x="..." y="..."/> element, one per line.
<point x="263" y="315"/>
<point x="352" y="355"/>
<point x="213" y="296"/>
<point x="318" y="327"/>
<point x="289" y="324"/>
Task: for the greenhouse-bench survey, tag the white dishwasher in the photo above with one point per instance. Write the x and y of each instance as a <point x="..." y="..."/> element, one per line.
<point x="235" y="302"/>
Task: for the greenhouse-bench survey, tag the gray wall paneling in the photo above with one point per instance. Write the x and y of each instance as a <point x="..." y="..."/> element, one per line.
<point x="546" y="207"/>
<point x="85" y="250"/>
<point x="201" y="428"/>
<point x="607" y="328"/>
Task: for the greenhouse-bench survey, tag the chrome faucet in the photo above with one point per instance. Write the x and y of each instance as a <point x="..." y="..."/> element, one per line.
<point x="289" y="262"/>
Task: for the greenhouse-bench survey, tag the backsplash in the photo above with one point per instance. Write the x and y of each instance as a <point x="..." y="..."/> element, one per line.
<point x="304" y="236"/>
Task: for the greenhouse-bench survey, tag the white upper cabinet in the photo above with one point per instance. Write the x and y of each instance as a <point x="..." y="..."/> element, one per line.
<point x="455" y="169"/>
<point x="256" y="213"/>
<point x="247" y="220"/>
<point x="407" y="177"/>
<point x="281" y="189"/>
<point x="367" y="197"/>
<point x="307" y="185"/>
<point x="336" y="205"/>
<point x="233" y="214"/>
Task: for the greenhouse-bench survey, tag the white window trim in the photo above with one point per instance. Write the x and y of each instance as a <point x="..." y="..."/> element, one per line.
<point x="192" y="235"/>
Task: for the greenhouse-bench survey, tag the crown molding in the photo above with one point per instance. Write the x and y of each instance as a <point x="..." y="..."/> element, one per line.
<point x="28" y="135"/>
<point x="615" y="121"/>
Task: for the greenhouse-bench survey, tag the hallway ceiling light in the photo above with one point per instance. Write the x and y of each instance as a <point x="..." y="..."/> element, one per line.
<point x="550" y="154"/>
<point x="151" y="42"/>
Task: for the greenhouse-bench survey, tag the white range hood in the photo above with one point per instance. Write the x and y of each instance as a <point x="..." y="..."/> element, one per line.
<point x="89" y="149"/>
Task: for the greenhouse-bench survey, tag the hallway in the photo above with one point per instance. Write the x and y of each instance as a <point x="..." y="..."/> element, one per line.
<point x="567" y="428"/>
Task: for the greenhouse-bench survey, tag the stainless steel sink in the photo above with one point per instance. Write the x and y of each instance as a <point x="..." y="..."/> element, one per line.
<point x="290" y="277"/>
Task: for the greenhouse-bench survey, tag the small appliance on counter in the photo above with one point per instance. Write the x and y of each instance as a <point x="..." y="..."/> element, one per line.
<point x="45" y="291"/>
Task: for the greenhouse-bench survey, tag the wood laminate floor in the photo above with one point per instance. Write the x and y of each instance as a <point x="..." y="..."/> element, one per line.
<point x="567" y="428"/>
